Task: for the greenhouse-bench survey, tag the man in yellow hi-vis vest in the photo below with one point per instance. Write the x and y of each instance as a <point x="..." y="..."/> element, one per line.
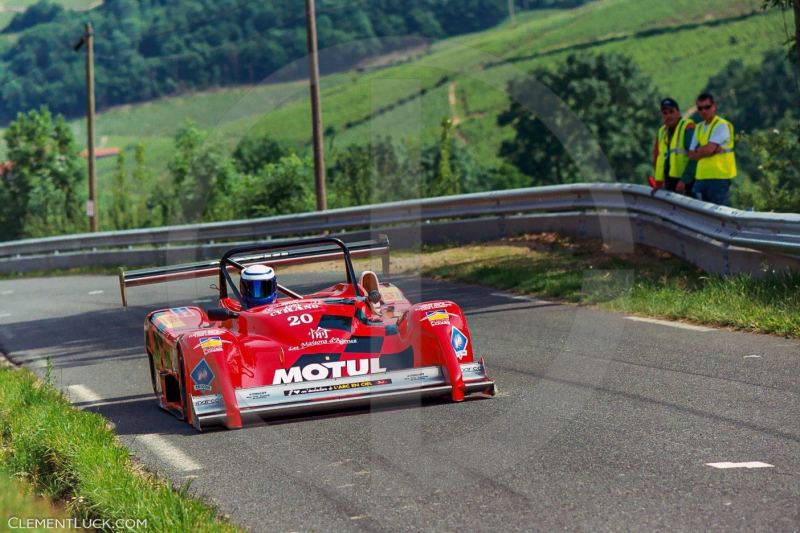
<point x="674" y="171"/>
<point x="712" y="148"/>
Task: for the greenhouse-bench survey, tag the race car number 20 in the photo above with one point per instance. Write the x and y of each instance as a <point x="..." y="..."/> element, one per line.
<point x="296" y="320"/>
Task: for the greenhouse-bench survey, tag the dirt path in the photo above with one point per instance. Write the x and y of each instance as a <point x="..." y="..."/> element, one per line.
<point x="451" y="94"/>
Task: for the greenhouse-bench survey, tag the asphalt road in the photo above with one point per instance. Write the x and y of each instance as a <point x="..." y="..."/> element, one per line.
<point x="602" y="423"/>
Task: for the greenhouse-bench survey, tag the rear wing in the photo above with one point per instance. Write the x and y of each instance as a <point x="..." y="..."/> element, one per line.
<point x="314" y="252"/>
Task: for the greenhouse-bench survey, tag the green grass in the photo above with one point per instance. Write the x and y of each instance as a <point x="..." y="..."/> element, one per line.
<point x="679" y="44"/>
<point x="73" y="456"/>
<point x="647" y="282"/>
<point x="18" y="503"/>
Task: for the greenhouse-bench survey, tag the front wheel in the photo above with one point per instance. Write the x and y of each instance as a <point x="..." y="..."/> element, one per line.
<point x="153" y="377"/>
<point x="182" y="386"/>
<point x="187" y="405"/>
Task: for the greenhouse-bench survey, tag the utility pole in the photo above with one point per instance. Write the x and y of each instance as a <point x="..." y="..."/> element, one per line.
<point x="316" y="106"/>
<point x="796" y="6"/>
<point x="92" y="210"/>
<point x="511" y="11"/>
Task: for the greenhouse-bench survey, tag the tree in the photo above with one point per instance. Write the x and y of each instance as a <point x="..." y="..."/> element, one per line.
<point x="199" y="181"/>
<point x="286" y="186"/>
<point x="121" y="212"/>
<point x="141" y="181"/>
<point x="378" y="172"/>
<point x="39" y="13"/>
<point x="253" y="153"/>
<point x="353" y="177"/>
<point x="609" y="96"/>
<point x="40" y="192"/>
<point x="777" y="178"/>
<point x="445" y="180"/>
<point x="756" y="96"/>
<point x="794" y="5"/>
<point x="149" y="48"/>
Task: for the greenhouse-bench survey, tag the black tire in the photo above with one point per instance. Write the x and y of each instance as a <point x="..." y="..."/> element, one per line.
<point x="182" y="383"/>
<point x="187" y="407"/>
<point x="152" y="374"/>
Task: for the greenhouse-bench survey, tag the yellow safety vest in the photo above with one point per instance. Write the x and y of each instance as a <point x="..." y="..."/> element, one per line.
<point x="720" y="166"/>
<point x="678" y="156"/>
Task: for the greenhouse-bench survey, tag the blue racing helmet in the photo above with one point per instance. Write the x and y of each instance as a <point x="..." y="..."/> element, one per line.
<point x="258" y="285"/>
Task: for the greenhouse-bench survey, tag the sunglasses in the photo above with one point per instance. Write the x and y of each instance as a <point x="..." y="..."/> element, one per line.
<point x="705" y="107"/>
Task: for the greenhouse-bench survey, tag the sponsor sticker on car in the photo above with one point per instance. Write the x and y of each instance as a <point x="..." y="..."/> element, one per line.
<point x="318" y="333"/>
<point x="433" y="305"/>
<point x="459" y="343"/>
<point x="321" y="342"/>
<point x="206" y="333"/>
<point x="211" y="344"/>
<point x="166" y="321"/>
<point x="202" y="376"/>
<point x="338" y="387"/>
<point x="293" y="308"/>
<point x="333" y="369"/>
<point x="438" y="317"/>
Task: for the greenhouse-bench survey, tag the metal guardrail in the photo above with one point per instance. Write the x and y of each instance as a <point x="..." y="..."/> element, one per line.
<point x="739" y="241"/>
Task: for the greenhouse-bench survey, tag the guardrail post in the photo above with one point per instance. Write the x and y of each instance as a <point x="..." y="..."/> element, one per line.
<point x="122" y="287"/>
<point x="385" y="257"/>
<point x="726" y="258"/>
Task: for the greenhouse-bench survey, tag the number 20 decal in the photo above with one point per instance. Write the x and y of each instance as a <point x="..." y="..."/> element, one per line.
<point x="296" y="320"/>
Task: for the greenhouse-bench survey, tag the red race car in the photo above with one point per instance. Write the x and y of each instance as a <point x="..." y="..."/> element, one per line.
<point x="260" y="354"/>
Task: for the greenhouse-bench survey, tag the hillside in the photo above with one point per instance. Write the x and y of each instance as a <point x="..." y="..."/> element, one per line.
<point x="464" y="77"/>
<point x="146" y="49"/>
<point x="9" y="8"/>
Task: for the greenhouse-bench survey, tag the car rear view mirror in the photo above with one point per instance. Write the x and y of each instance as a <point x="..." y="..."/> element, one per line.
<point x="220" y="313"/>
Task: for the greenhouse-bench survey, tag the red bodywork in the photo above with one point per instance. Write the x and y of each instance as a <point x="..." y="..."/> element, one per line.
<point x="327" y="350"/>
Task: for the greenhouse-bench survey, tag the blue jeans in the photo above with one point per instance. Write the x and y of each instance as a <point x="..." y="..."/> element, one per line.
<point x="714" y="191"/>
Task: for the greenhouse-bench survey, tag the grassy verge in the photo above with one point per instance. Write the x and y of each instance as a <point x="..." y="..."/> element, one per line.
<point x="72" y="456"/>
<point x="646" y="282"/>
<point x="18" y="504"/>
<point x="78" y="271"/>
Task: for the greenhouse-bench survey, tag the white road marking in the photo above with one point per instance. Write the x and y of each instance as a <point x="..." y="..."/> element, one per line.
<point x="358" y="517"/>
<point x="752" y="356"/>
<point x="512" y="296"/>
<point x="680" y="325"/>
<point x="82" y="393"/>
<point x="5" y="315"/>
<point x="751" y="464"/>
<point x="169" y="453"/>
<point x="202" y="301"/>
<point x="7" y="292"/>
<point x="92" y="293"/>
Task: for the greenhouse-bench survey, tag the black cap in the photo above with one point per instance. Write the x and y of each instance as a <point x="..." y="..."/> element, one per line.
<point x="669" y="102"/>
